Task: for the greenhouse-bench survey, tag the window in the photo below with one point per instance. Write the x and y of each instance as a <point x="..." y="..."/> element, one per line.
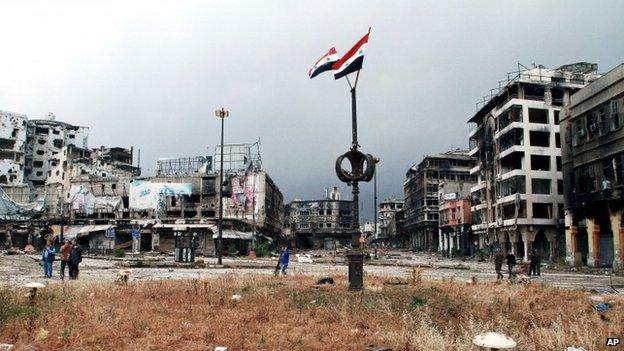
<point x="560" y="187"/>
<point x="541" y="139"/>
<point x="540" y="163"/>
<point x="558" y="162"/>
<point x="540" y="186"/>
<point x="538" y="115"/>
<point x="556" y="116"/>
<point x="542" y="210"/>
<point x="578" y="135"/>
<point x="513" y="185"/>
<point x="557" y="140"/>
<point x="614" y="115"/>
<point x="602" y="121"/>
<point x="591" y="125"/>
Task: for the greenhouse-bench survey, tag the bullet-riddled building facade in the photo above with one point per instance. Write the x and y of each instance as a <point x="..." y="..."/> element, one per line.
<point x="517" y="202"/>
<point x="421" y="194"/>
<point x="593" y="172"/>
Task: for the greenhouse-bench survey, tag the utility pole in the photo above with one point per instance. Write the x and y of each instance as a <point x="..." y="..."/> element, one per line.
<point x="375" y="199"/>
<point x="223" y="114"/>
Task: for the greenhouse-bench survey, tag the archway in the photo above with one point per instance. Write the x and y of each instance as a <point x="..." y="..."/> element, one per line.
<point x="541" y="244"/>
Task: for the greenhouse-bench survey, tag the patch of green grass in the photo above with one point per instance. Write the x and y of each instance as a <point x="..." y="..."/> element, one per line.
<point x="417" y="301"/>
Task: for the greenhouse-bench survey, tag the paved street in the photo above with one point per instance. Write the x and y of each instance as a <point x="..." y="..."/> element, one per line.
<point x="21" y="268"/>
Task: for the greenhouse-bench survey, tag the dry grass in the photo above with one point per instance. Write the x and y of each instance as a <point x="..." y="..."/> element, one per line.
<point x="291" y="314"/>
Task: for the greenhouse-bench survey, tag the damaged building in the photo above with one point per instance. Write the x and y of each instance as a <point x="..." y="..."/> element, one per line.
<point x="517" y="202"/>
<point x="593" y="172"/>
<point x="322" y="223"/>
<point x="421" y="194"/>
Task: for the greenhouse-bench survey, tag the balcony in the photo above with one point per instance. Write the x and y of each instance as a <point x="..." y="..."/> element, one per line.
<point x="473" y="151"/>
<point x="474" y="170"/>
<point x="477" y="187"/>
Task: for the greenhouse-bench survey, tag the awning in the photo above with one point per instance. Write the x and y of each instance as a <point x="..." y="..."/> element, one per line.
<point x="69" y="231"/>
<point x="184" y="227"/>
<point x="94" y="228"/>
<point x="233" y="234"/>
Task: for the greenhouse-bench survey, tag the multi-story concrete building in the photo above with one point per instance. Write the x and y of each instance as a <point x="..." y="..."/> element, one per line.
<point x="45" y="140"/>
<point x="12" y="155"/>
<point x="518" y="199"/>
<point x="386" y="212"/>
<point x="321" y="223"/>
<point x="455" y="218"/>
<point x="421" y="194"/>
<point x="593" y="172"/>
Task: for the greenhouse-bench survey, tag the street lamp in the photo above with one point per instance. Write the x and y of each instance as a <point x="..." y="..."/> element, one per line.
<point x="223" y="114"/>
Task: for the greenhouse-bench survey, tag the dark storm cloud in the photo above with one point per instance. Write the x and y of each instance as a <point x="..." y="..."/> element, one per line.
<point x="150" y="74"/>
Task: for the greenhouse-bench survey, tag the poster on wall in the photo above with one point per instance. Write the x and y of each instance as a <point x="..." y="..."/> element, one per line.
<point x="146" y="195"/>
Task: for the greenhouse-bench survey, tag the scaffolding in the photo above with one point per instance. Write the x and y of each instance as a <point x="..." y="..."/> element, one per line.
<point x="238" y="157"/>
<point x="183" y="166"/>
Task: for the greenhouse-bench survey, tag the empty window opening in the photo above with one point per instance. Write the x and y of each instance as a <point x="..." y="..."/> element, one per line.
<point x="513" y="185"/>
<point x="540" y="163"/>
<point x="558" y="162"/>
<point x="40" y="152"/>
<point x="516" y="209"/>
<point x="541" y="139"/>
<point x="560" y="186"/>
<point x="511" y="138"/>
<point x="538" y="115"/>
<point x="557" y="140"/>
<point x="58" y="143"/>
<point x="534" y="92"/>
<point x="41" y="141"/>
<point x="38" y="164"/>
<point x="41" y="130"/>
<point x="542" y="210"/>
<point x="540" y="186"/>
<point x="557" y="100"/>
<point x="7" y="143"/>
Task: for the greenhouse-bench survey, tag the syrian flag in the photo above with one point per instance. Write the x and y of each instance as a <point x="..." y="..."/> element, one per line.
<point x="325" y="63"/>
<point x="352" y="60"/>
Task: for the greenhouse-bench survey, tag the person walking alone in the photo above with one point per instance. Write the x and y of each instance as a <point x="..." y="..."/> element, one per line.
<point x="284" y="258"/>
<point x="48" y="258"/>
<point x="511" y="262"/>
<point x="64" y="251"/>
<point x="536" y="262"/>
<point x="75" y="257"/>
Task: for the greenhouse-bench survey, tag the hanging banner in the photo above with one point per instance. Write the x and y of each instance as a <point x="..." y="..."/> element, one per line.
<point x="146" y="195"/>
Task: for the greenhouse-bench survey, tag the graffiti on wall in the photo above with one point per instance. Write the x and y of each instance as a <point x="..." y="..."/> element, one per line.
<point x="146" y="195"/>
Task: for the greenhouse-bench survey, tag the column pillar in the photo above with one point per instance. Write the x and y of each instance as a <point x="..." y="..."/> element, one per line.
<point x="618" y="239"/>
<point x="156" y="241"/>
<point x="593" y="242"/>
<point x="573" y="256"/>
<point x="526" y="250"/>
<point x="451" y="245"/>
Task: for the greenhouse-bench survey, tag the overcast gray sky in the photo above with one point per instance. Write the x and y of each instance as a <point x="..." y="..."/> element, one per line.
<point x="151" y="74"/>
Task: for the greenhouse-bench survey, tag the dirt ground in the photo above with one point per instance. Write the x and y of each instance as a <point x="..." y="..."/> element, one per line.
<point x="18" y="269"/>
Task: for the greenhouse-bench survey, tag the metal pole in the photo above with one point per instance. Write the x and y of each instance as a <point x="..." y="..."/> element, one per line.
<point x="354" y="120"/>
<point x="61" y="236"/>
<point x="220" y="242"/>
<point x="375" y="198"/>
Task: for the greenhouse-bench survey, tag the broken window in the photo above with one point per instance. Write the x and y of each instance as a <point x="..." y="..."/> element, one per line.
<point x="591" y="125"/>
<point x="556" y="116"/>
<point x="513" y="137"/>
<point x="40" y="152"/>
<point x="557" y="99"/>
<point x="533" y="92"/>
<point x="58" y="143"/>
<point x="603" y="127"/>
<point x="615" y="116"/>
<point x="513" y="114"/>
<point x="540" y="186"/>
<point x="578" y="135"/>
<point x="542" y="210"/>
<point x="560" y="186"/>
<point x="56" y="131"/>
<point x="538" y="115"/>
<point x="557" y="140"/>
<point x="41" y="141"/>
<point x="41" y="130"/>
<point x="541" y="139"/>
<point x="558" y="162"/>
<point x="516" y="209"/>
<point x="37" y="164"/>
<point x="513" y="185"/>
<point x="540" y="163"/>
<point x="7" y="143"/>
<point x="3" y="179"/>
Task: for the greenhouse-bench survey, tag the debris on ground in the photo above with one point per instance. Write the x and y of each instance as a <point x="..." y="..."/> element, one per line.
<point x="377" y="348"/>
<point x="574" y="348"/>
<point x="236" y="297"/>
<point x="602" y="307"/>
<point x="325" y="280"/>
<point x="305" y="258"/>
<point x="395" y="281"/>
<point x="491" y="340"/>
<point x="6" y="347"/>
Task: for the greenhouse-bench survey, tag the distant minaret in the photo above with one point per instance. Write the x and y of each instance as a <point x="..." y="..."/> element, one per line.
<point x="335" y="193"/>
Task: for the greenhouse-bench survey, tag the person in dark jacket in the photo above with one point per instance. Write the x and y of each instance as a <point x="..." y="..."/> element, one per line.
<point x="511" y="262"/>
<point x="284" y="258"/>
<point x="75" y="257"/>
<point x="535" y="263"/>
<point x="498" y="265"/>
<point x="47" y="258"/>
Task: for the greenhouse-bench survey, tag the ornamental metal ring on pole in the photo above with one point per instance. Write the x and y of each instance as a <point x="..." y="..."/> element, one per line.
<point x="362" y="167"/>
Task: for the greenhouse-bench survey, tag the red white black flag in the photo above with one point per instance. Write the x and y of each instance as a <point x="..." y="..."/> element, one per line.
<point x="325" y="63"/>
<point x="352" y="60"/>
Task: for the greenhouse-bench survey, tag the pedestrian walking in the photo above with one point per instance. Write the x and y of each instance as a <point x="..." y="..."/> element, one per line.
<point x="284" y="258"/>
<point x="498" y="265"/>
<point x="47" y="257"/>
<point x="511" y="262"/>
<point x="75" y="257"/>
<point x="535" y="263"/>
<point x="64" y="251"/>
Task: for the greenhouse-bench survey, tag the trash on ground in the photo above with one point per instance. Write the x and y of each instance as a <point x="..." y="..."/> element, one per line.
<point x="494" y="341"/>
<point x="602" y="307"/>
<point x="325" y="280"/>
<point x="236" y="297"/>
<point x="305" y="258"/>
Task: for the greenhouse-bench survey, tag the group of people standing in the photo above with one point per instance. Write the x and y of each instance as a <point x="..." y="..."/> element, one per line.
<point x="71" y="256"/>
<point x="535" y="263"/>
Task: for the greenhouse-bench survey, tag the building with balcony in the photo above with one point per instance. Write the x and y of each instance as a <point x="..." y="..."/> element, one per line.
<point x="421" y="194"/>
<point x="517" y="202"/>
<point x="325" y="223"/>
<point x="386" y="212"/>
<point x="593" y="172"/>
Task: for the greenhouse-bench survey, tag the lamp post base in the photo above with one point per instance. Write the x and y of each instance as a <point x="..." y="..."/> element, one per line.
<point x="356" y="271"/>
